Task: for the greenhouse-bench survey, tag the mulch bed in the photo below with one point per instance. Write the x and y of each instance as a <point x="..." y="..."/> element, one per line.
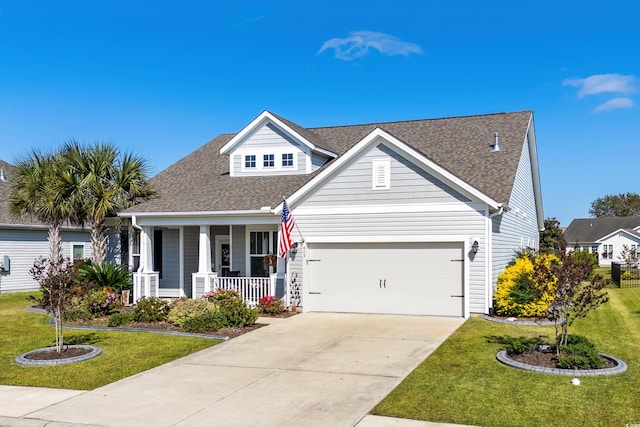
<point x="166" y="326"/>
<point x="52" y="354"/>
<point x="548" y="359"/>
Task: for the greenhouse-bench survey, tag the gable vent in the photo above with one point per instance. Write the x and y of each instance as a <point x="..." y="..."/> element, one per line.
<point x="381" y="174"/>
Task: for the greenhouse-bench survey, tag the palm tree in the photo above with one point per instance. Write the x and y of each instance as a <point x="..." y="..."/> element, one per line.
<point x="107" y="182"/>
<point x="41" y="192"/>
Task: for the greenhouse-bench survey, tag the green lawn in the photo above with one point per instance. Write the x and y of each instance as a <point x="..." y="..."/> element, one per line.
<point x="123" y="353"/>
<point x="462" y="382"/>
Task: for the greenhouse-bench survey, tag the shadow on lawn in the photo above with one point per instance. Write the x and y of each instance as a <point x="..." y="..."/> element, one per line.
<point x="508" y="339"/>
<point x="87" y="338"/>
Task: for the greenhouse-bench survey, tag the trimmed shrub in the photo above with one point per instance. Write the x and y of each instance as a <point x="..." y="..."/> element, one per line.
<point x="209" y="321"/>
<point x="233" y="310"/>
<point x="120" y="319"/>
<point x="527" y="286"/>
<point x="270" y="305"/>
<point x="183" y="309"/>
<point x="579" y="353"/>
<point x="151" y="309"/>
<point x="520" y="345"/>
<point x="75" y="313"/>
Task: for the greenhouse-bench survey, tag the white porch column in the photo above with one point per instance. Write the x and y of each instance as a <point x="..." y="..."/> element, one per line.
<point x="146" y="281"/>
<point x="146" y="250"/>
<point x="204" y="253"/>
<point x="202" y="280"/>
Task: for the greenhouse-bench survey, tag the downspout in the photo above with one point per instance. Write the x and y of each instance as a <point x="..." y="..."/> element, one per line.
<point x="490" y="256"/>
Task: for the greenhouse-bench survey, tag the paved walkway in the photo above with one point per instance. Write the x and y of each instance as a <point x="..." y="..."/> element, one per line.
<point x="314" y="369"/>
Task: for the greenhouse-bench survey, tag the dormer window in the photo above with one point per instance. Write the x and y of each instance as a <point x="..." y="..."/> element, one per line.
<point x="250" y="161"/>
<point x="268" y="161"/>
<point x="287" y="160"/>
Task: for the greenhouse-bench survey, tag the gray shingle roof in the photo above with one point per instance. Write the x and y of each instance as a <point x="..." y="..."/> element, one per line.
<point x="588" y="230"/>
<point x="200" y="181"/>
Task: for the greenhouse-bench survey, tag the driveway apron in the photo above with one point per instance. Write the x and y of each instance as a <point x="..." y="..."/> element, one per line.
<point x="313" y="369"/>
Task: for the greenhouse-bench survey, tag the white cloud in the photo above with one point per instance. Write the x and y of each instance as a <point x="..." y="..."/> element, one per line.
<point x="614" y="104"/>
<point x="358" y="43"/>
<point x="602" y="83"/>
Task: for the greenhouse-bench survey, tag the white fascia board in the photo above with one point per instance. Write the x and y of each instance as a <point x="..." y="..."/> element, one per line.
<point x="612" y="234"/>
<point x="537" y="188"/>
<point x="259" y="121"/>
<point x="41" y="227"/>
<point x="194" y="214"/>
<point x="411" y="154"/>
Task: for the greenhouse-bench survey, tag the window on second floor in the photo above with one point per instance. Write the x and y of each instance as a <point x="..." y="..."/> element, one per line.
<point x="268" y="161"/>
<point x="250" y="161"/>
<point x="287" y="160"/>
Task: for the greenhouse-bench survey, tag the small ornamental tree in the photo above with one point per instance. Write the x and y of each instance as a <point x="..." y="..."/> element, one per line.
<point x="630" y="256"/>
<point x="574" y="297"/>
<point x="527" y="286"/>
<point x="57" y="280"/>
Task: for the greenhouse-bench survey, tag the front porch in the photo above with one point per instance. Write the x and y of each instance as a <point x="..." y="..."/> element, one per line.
<point x="190" y="261"/>
<point x="250" y="288"/>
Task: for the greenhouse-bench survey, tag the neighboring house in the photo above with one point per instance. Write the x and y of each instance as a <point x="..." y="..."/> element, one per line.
<point x="412" y="217"/>
<point x="604" y="236"/>
<point x="23" y="240"/>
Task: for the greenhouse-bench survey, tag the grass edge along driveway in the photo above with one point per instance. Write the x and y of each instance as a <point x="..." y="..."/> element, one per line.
<point x="462" y="382"/>
<point x="123" y="353"/>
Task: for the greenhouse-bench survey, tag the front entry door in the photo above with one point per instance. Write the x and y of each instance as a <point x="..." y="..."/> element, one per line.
<point x="223" y="255"/>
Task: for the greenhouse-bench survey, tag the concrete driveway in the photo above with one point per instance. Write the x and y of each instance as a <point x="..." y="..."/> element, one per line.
<point x="313" y="369"/>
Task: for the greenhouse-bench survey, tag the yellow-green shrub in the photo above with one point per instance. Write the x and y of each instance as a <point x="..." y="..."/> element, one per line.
<point x="526" y="287"/>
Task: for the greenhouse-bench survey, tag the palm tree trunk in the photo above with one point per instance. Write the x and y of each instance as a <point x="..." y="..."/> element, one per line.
<point x="99" y="242"/>
<point x="55" y="245"/>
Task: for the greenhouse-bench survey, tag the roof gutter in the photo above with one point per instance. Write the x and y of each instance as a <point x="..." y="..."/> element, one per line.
<point x="499" y="212"/>
<point x="196" y="213"/>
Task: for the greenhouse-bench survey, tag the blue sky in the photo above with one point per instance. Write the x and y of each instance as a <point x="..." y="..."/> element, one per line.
<point x="162" y="78"/>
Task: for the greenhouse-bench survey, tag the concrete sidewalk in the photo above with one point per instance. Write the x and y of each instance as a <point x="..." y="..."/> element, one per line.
<point x="313" y="369"/>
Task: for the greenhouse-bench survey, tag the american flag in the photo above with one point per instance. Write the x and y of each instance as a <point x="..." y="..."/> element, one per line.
<point x="286" y="227"/>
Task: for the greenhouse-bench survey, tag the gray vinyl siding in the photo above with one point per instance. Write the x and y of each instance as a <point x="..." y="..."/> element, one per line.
<point x="296" y="275"/>
<point x="519" y="224"/>
<point x="191" y="244"/>
<point x="447" y="213"/>
<point x="269" y="140"/>
<point x="170" y="256"/>
<point x="23" y="247"/>
<point x="409" y="184"/>
<point x="238" y="249"/>
<point x="457" y="225"/>
<point x="317" y="161"/>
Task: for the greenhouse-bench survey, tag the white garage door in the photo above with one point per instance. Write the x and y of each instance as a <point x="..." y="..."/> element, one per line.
<point x="403" y="278"/>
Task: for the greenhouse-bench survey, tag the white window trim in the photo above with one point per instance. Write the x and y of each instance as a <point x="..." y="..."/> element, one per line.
<point x="293" y="160"/>
<point x="244" y="162"/>
<point x="277" y="159"/>
<point x="248" y="230"/>
<point x="84" y="249"/>
<point x="274" y="161"/>
<point x="380" y="174"/>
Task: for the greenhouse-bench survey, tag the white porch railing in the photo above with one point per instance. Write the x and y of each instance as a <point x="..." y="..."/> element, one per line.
<point x="250" y="288"/>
